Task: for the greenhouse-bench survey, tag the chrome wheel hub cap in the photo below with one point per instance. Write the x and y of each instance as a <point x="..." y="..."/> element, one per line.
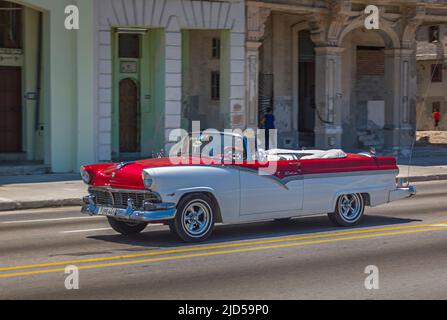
<point x="350" y="206"/>
<point x="196" y="218"/>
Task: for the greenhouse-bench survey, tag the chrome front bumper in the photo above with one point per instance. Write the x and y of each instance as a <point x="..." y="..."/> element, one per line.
<point x="156" y="211"/>
<point x="401" y="193"/>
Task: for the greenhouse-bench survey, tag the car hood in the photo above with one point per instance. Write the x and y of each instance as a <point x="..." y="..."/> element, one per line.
<point x="124" y="175"/>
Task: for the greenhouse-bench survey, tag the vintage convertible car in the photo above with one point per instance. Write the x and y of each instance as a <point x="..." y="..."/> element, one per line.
<point x="192" y="196"/>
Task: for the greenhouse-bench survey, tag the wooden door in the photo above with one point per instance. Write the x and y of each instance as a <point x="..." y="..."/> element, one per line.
<point x="128" y="116"/>
<point x="10" y="109"/>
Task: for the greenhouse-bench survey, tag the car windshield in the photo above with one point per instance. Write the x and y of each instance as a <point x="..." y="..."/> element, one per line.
<point x="219" y="146"/>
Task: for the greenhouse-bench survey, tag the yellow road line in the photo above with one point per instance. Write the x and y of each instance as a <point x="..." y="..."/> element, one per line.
<point x="223" y="252"/>
<point x="214" y="247"/>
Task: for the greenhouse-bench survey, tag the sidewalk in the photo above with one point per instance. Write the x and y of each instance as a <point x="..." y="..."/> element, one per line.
<point x="428" y="163"/>
<point x="40" y="191"/>
<point x="423" y="173"/>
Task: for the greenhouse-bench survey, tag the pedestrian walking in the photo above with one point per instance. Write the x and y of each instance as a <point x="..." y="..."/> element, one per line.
<point x="436" y="118"/>
<point x="269" y="124"/>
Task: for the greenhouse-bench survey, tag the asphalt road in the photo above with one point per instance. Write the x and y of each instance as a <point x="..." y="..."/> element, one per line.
<point x="305" y="258"/>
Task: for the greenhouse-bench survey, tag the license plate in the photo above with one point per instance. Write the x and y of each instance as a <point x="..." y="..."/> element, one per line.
<point x="111" y="212"/>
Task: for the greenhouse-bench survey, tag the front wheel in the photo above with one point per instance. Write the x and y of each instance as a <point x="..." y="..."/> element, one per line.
<point x="194" y="221"/>
<point x="126" y="228"/>
<point x="348" y="210"/>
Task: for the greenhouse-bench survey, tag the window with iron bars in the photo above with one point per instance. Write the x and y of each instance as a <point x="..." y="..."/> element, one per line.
<point x="215" y="53"/>
<point x="433" y="34"/>
<point x="436" y="71"/>
<point x="10" y="25"/>
<point x="215" y="85"/>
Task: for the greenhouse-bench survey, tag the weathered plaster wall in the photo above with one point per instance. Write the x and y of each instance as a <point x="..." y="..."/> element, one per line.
<point x="357" y="89"/>
<point x="277" y="58"/>
<point x="197" y="86"/>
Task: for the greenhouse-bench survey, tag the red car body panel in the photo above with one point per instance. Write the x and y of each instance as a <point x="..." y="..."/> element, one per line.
<point x="129" y="175"/>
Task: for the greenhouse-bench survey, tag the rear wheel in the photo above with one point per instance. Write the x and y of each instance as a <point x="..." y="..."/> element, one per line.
<point x="194" y="221"/>
<point x="348" y="210"/>
<point x="126" y="228"/>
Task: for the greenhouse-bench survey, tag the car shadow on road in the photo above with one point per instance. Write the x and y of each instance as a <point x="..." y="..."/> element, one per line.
<point x="250" y="231"/>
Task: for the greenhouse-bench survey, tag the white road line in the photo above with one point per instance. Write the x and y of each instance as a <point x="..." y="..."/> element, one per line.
<point x="86" y="230"/>
<point x="47" y="220"/>
<point x="41" y="210"/>
<point x="439" y="225"/>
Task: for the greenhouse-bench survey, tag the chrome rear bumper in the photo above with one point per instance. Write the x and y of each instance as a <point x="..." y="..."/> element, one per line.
<point x="401" y="193"/>
<point x="155" y="211"/>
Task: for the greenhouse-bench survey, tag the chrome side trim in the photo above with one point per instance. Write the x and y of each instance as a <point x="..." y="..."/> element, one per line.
<point x="349" y="174"/>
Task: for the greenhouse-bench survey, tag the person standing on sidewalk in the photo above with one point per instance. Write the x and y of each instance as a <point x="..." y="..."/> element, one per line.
<point x="436" y="118"/>
<point x="269" y="124"/>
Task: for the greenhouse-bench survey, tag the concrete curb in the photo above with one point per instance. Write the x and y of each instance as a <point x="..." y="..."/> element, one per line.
<point x="427" y="178"/>
<point x="39" y="204"/>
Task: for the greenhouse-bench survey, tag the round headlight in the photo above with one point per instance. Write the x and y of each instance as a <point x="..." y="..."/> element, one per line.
<point x="85" y="175"/>
<point x="147" y="180"/>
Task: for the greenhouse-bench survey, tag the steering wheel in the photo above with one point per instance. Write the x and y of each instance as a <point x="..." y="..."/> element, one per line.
<point x="234" y="153"/>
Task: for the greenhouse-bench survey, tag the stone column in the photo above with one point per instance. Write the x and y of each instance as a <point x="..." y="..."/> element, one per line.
<point x="400" y="100"/>
<point x="60" y="74"/>
<point x="86" y="87"/>
<point x="409" y="96"/>
<point x="232" y="61"/>
<point x="328" y="129"/>
<point x="256" y="18"/>
<point x="252" y="83"/>
<point x="173" y="82"/>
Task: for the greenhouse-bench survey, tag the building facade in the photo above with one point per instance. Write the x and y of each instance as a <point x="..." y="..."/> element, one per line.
<point x="115" y="88"/>
<point x="332" y="82"/>
<point x="46" y="84"/>
<point x="162" y="64"/>
<point x="136" y="69"/>
<point x="432" y="77"/>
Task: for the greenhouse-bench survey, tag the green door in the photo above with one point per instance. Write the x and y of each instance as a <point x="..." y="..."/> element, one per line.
<point x="138" y="93"/>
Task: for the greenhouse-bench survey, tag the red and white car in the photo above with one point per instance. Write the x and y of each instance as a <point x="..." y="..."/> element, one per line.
<point x="193" y="196"/>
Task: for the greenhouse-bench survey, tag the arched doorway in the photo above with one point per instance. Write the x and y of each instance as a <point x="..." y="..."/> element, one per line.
<point x="306" y="89"/>
<point x="304" y="85"/>
<point x="368" y="100"/>
<point x="128" y="116"/>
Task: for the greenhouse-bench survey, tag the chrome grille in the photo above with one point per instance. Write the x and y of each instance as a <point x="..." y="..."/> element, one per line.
<point x="118" y="198"/>
<point x="102" y="197"/>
